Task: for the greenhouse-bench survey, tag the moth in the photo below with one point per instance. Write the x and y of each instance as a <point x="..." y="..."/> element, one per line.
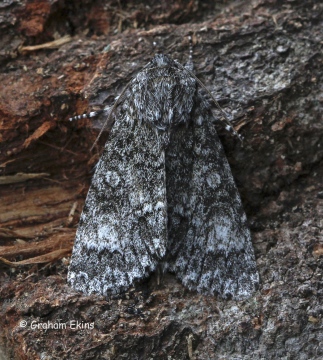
<point x="163" y="194"/>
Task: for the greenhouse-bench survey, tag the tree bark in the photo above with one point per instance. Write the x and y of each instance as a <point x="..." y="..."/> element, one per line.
<point x="263" y="61"/>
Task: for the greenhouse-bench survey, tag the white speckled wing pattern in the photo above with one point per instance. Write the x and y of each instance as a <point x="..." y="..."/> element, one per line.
<point x="209" y="243"/>
<point x="163" y="192"/>
<point x="122" y="232"/>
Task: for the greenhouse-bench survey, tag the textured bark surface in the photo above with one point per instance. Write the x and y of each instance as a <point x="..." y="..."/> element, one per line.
<point x="263" y="60"/>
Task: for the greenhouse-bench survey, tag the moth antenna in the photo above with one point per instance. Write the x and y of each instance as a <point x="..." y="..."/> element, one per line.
<point x="190" y="65"/>
<point x="107" y="121"/>
<point x="226" y="120"/>
<point x="86" y="115"/>
<point x="189" y="68"/>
